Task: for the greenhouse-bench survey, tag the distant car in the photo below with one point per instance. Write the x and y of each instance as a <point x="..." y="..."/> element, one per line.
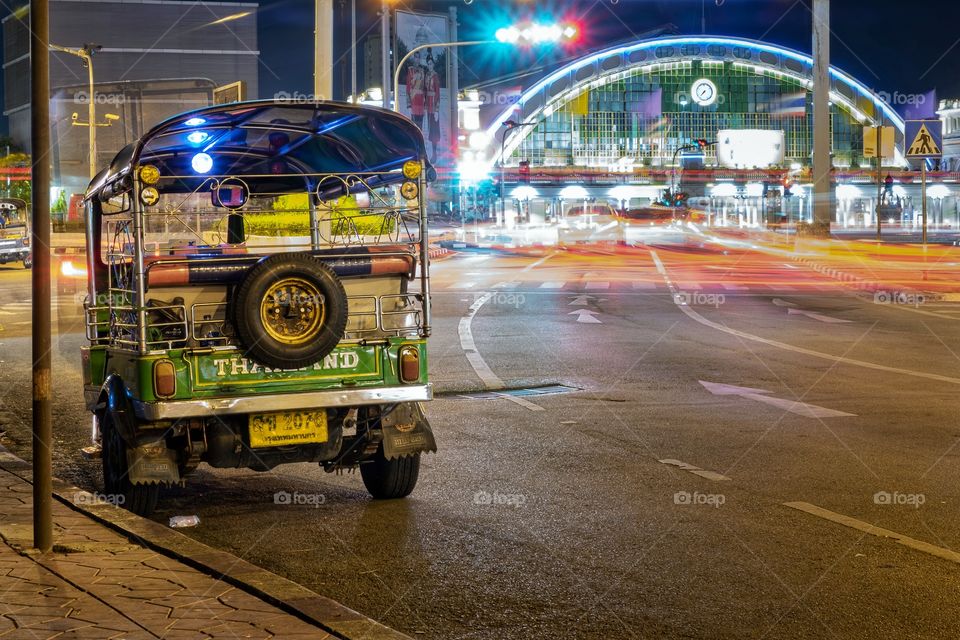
<point x="652" y="214"/>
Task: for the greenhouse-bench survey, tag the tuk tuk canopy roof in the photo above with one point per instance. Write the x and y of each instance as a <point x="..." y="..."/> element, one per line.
<point x="270" y="142"/>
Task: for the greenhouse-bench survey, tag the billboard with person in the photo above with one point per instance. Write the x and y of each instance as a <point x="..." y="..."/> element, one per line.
<point x="423" y="94"/>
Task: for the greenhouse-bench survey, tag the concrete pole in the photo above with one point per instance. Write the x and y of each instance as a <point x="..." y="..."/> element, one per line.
<point x="323" y="50"/>
<point x="40" y="229"/>
<point x="353" y="49"/>
<point x="822" y="188"/>
<point x="385" y="51"/>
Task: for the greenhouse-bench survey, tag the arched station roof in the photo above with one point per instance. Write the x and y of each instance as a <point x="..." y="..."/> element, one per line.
<point x="597" y="69"/>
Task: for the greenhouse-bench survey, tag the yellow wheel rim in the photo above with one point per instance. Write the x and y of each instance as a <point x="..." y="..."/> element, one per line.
<point x="292" y="311"/>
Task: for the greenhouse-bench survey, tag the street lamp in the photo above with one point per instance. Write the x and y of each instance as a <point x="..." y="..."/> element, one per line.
<point x="437" y="45"/>
<point x="530" y="34"/>
<point x="85" y="53"/>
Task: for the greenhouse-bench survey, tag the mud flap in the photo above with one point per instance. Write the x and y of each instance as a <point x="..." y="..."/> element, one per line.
<point x="406" y="431"/>
<point x="151" y="462"/>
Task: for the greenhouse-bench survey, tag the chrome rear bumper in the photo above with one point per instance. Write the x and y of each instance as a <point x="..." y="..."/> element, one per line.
<point x="202" y="408"/>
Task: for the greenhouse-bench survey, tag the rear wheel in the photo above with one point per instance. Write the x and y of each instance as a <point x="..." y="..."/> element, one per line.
<point x="138" y="498"/>
<point x="388" y="479"/>
<point x="28" y="262"/>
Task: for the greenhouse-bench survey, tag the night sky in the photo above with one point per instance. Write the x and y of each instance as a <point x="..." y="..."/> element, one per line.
<point x="889" y="45"/>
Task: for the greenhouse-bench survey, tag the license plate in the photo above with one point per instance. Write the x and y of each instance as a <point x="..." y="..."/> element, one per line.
<point x="286" y="428"/>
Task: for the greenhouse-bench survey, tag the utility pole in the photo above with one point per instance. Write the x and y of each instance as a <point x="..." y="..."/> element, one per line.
<point x="822" y="187"/>
<point x="323" y="50"/>
<point x="385" y="51"/>
<point x="40" y="230"/>
<point x="353" y="49"/>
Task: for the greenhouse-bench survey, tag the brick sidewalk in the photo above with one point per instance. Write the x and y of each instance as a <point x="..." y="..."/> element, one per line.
<point x="97" y="584"/>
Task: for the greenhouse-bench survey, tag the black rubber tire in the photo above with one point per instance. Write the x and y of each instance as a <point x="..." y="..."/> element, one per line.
<point x="254" y="336"/>
<point x="138" y="498"/>
<point x="390" y="479"/>
<point x="28" y="263"/>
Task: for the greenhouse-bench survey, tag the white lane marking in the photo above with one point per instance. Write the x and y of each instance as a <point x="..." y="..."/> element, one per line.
<point x="483" y="371"/>
<point x="793" y="406"/>
<point x="703" y="473"/>
<point x="696" y="317"/>
<point x="781" y="287"/>
<point x="463" y="285"/>
<point x="490" y="380"/>
<point x="585" y="316"/>
<point x="513" y="284"/>
<point x="866" y="527"/>
<point x="734" y="287"/>
<point x="782" y="303"/>
<point x="581" y="301"/>
<point x="534" y="265"/>
<point x="523" y="402"/>
<point x="591" y="286"/>
<point x="816" y="316"/>
<point x="790" y="266"/>
<point x="643" y="284"/>
<point x="552" y="285"/>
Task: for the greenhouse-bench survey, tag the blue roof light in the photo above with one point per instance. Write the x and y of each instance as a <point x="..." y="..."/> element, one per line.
<point x="198" y="137"/>
<point x="195" y="122"/>
<point x="202" y="163"/>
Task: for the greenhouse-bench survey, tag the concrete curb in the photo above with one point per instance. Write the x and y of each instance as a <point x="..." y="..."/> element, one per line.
<point x="297" y="600"/>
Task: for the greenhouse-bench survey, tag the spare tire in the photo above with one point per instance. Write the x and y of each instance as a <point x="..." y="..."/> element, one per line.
<point x="290" y="311"/>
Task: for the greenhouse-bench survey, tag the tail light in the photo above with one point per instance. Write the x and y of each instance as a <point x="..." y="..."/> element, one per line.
<point x="26" y="241"/>
<point x="71" y="269"/>
<point x="409" y="364"/>
<point x="164" y="378"/>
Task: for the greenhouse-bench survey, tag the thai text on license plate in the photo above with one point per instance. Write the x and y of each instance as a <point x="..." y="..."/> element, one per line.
<point x="286" y="428"/>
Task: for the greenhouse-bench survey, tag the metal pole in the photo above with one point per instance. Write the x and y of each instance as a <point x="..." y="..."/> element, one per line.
<point x="92" y="118"/>
<point x="879" y="172"/>
<point x="353" y="49"/>
<point x="453" y="87"/>
<point x="385" y="52"/>
<point x="923" y="196"/>
<point x="822" y="188"/>
<point x="40" y="230"/>
<point x="503" y="204"/>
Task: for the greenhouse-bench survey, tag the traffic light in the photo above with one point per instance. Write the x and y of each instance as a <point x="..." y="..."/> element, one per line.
<point x="680" y="199"/>
<point x="786" y="184"/>
<point x="524" y="172"/>
<point x="702" y="143"/>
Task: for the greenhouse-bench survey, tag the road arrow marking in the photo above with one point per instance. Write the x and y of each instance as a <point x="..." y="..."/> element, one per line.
<point x="793" y="406"/>
<point x="816" y="316"/>
<point x="585" y="315"/>
<point x="581" y="300"/>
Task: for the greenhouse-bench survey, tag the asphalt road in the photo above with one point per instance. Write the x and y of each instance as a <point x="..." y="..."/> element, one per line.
<point x="554" y="516"/>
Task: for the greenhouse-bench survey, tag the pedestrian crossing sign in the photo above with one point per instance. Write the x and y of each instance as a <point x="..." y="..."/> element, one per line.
<point x="924" y="138"/>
